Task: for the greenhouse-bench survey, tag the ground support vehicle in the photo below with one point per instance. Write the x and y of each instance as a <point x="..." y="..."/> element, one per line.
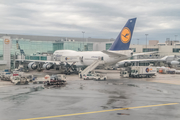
<point x="59" y="79"/>
<point x="89" y="76"/>
<point x="99" y="77"/>
<point x="124" y="74"/>
<point x="18" y="80"/>
<point x="5" y="76"/>
<point x="143" y="71"/>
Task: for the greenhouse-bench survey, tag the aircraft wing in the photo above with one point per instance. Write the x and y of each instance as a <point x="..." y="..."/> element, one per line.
<point x="145" y="53"/>
<point x="40" y="61"/>
<point x="143" y="60"/>
<point x="113" y="54"/>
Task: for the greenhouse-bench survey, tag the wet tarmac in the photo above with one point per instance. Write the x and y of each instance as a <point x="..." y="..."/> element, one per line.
<point x="115" y="98"/>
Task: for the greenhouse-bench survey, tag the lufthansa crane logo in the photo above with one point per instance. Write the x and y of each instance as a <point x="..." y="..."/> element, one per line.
<point x="125" y="35"/>
<point x="6" y="41"/>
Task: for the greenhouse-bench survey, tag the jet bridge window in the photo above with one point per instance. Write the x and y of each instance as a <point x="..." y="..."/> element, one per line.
<point x="133" y="49"/>
<point x="108" y="45"/>
<point x="143" y="64"/>
<point x="150" y="49"/>
<point x="176" y="50"/>
<point x="132" y="64"/>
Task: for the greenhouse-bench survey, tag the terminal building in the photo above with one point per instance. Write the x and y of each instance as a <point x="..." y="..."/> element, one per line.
<point x="39" y="47"/>
<point x="167" y="48"/>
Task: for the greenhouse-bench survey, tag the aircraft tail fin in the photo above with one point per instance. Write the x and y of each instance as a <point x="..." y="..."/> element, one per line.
<point x="123" y="40"/>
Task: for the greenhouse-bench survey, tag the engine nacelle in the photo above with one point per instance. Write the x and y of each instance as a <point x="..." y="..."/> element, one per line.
<point x="47" y="66"/>
<point x="32" y="66"/>
<point x="123" y="64"/>
<point x="174" y="63"/>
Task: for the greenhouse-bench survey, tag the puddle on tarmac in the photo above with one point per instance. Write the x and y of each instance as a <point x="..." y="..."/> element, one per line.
<point x="54" y="86"/>
<point x="104" y="107"/>
<point x="120" y="97"/>
<point x="22" y="95"/>
<point x="122" y="114"/>
<point x="132" y="85"/>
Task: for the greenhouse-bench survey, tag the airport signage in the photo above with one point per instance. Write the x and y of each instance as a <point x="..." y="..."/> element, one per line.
<point x="6" y="41"/>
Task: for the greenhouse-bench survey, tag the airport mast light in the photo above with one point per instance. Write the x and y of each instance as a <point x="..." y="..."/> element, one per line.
<point x="138" y="41"/>
<point x="175" y="37"/>
<point x="83" y="39"/>
<point x="146" y="40"/>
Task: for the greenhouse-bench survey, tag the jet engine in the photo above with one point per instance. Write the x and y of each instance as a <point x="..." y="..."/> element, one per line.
<point x="47" y="66"/>
<point x="174" y="62"/>
<point x="32" y="66"/>
<point x="123" y="64"/>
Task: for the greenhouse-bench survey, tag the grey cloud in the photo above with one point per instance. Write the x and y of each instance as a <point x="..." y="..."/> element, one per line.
<point x="101" y="19"/>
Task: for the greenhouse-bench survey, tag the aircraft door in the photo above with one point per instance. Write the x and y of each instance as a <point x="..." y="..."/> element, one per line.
<point x="82" y="59"/>
<point x="102" y="58"/>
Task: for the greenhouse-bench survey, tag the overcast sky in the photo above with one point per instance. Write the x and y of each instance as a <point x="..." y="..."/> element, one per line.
<point x="99" y="19"/>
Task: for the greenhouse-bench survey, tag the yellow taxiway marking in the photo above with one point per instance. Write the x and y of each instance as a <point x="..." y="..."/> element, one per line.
<point x="98" y="111"/>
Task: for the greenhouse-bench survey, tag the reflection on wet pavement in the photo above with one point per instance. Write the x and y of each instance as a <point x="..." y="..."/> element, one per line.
<point x="20" y="102"/>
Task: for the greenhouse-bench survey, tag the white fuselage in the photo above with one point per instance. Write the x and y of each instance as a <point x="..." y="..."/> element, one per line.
<point x="90" y="56"/>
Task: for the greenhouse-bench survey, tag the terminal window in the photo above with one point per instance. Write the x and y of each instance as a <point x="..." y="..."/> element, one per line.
<point x="143" y="64"/>
<point x="133" y="49"/>
<point x="150" y="49"/>
<point x="108" y="45"/>
<point x="58" y="46"/>
<point x="176" y="50"/>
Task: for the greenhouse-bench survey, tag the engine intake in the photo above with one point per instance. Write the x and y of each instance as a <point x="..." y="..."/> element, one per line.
<point x="123" y="64"/>
<point x="32" y="66"/>
<point x="47" y="66"/>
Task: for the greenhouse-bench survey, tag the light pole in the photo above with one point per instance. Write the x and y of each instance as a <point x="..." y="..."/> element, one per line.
<point x="83" y="39"/>
<point x="138" y="41"/>
<point x="146" y="40"/>
<point x="175" y="37"/>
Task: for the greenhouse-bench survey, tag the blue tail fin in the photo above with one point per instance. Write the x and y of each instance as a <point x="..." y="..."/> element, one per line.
<point x="123" y="40"/>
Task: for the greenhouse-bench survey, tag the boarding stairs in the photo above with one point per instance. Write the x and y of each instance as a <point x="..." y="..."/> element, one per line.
<point x="92" y="66"/>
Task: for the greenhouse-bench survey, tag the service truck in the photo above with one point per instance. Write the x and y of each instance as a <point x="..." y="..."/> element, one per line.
<point x="58" y="79"/>
<point x="143" y="71"/>
<point x="19" y="80"/>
